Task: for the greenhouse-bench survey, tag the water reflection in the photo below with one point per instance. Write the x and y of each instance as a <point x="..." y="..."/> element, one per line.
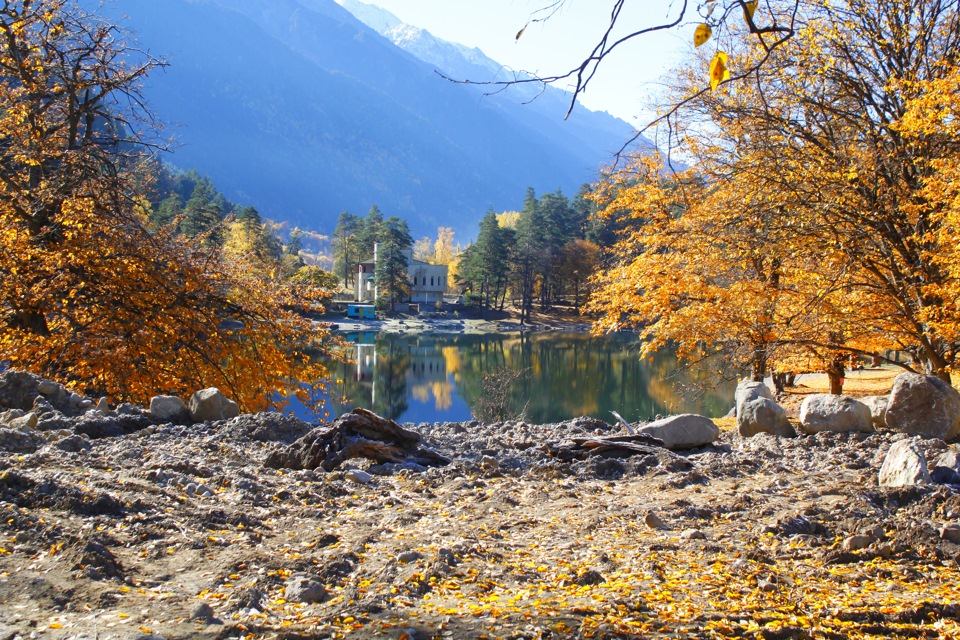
<point x="438" y="377"/>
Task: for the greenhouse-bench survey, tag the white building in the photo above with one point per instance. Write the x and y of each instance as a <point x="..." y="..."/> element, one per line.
<point x="428" y="282"/>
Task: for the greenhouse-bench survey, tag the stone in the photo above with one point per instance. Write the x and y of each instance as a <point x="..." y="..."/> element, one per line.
<point x="408" y="557"/>
<point x="950" y="533"/>
<point x="358" y="476"/>
<point x="47" y="387"/>
<point x="10" y="415"/>
<point x="103" y="406"/>
<point x="923" y="406"/>
<point x="165" y="408"/>
<point x="305" y="589"/>
<point x="878" y="409"/>
<point x="489" y="464"/>
<point x="747" y="391"/>
<point x="209" y="404"/>
<point x="202" y="611"/>
<point x="904" y="466"/>
<point x="763" y="415"/>
<point x="684" y="431"/>
<point x="947" y="468"/>
<point x="837" y="414"/>
<point x="692" y="534"/>
<point x="858" y="542"/>
<point x="27" y="422"/>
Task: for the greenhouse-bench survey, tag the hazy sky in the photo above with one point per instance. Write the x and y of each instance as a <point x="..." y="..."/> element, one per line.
<point x="626" y="82"/>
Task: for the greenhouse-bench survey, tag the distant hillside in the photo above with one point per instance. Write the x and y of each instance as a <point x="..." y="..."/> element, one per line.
<point x="301" y="110"/>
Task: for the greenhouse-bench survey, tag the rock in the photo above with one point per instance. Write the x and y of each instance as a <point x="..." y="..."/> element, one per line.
<point x="763" y="415"/>
<point x="408" y="557"/>
<point x="47" y="387"/>
<point x="209" y="405"/>
<point x="26" y="422"/>
<point x="168" y="408"/>
<point x="103" y="406"/>
<point x="358" y="476"/>
<point x="878" y="409"/>
<point x="489" y="464"/>
<point x="837" y="414"/>
<point x="684" y="431"/>
<point x="747" y="391"/>
<point x="305" y="589"/>
<point x="923" y="406"/>
<point x="653" y="521"/>
<point x="858" y="542"/>
<point x="692" y="534"/>
<point x="10" y="415"/>
<point x="950" y="533"/>
<point x="202" y="611"/>
<point x="904" y="466"/>
<point x="589" y="577"/>
<point x="947" y="468"/>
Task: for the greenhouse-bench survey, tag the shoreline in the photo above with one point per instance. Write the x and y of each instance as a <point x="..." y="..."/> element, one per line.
<point x="419" y="325"/>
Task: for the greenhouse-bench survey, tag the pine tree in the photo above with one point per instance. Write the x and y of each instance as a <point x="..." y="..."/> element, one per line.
<point x="346" y="246"/>
<point x="391" y="271"/>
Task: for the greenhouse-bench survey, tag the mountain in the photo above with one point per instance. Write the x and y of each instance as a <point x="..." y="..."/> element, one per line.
<point x="299" y="109"/>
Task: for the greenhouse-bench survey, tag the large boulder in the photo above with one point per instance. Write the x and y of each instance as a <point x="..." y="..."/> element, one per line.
<point x="837" y="414"/>
<point x="763" y="415"/>
<point x="878" y="409"/>
<point x="209" y="404"/>
<point x="684" y="431"/>
<point x="947" y="468"/>
<point x="924" y="406"/>
<point x="167" y="408"/>
<point x="747" y="391"/>
<point x="904" y="466"/>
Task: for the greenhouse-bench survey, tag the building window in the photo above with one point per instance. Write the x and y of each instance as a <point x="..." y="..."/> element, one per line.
<point x="431" y="281"/>
<point x="414" y="280"/>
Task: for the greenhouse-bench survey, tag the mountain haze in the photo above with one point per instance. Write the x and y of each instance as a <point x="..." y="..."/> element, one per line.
<point x="301" y="110"/>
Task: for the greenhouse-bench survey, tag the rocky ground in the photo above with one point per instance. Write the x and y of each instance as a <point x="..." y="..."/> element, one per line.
<point x="114" y="526"/>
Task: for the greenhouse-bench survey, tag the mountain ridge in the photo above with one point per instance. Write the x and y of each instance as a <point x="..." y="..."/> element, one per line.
<point x="299" y="109"/>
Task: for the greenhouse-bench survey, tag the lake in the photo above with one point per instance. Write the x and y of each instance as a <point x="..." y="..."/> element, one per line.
<point x="438" y="378"/>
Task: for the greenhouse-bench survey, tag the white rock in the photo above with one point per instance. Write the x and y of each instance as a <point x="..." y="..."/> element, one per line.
<point x="763" y="415"/>
<point x="358" y="476"/>
<point x="923" y="406"/>
<point x="878" y="409"/>
<point x="904" y="466"/>
<point x="838" y="414"/>
<point x="209" y="404"/>
<point x="684" y="431"/>
<point x="167" y="407"/>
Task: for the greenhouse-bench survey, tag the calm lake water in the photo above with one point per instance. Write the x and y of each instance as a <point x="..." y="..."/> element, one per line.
<point x="437" y="378"/>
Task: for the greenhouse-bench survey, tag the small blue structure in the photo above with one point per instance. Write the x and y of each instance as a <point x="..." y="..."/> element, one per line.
<point x="361" y="311"/>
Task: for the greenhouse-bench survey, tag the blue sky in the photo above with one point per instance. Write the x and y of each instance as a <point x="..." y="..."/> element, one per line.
<point x="626" y="83"/>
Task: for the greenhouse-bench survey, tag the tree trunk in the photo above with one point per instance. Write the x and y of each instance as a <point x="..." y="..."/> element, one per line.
<point x="835" y="373"/>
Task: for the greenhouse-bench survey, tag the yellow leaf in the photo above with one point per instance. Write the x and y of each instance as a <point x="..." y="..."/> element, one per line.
<point x="749" y="7"/>
<point x="702" y="34"/>
<point x="718" y="69"/>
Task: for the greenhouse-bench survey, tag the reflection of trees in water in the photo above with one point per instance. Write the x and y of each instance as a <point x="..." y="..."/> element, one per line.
<point x="390" y="376"/>
<point x="569" y="375"/>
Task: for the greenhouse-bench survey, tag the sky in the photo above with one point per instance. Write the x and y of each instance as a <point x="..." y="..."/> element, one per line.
<point x="627" y="83"/>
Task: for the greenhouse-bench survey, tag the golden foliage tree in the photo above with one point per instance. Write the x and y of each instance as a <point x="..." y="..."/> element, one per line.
<point x="88" y="296"/>
<point x="807" y="166"/>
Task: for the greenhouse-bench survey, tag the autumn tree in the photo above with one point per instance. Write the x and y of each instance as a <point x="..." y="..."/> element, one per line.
<point x="89" y="296"/>
<point x="813" y="144"/>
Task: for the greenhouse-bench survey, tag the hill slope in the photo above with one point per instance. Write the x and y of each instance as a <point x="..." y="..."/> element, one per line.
<point x="296" y="107"/>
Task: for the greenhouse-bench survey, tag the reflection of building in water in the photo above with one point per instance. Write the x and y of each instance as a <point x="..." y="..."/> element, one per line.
<point x="366" y="367"/>
<point x="427" y="364"/>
